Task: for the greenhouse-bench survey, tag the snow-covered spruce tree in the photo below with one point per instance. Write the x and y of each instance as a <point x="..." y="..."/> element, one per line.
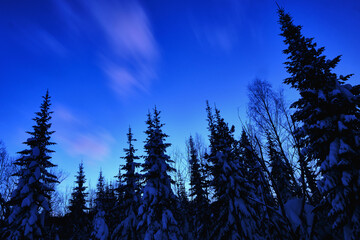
<point x="249" y="160"/>
<point x="126" y="229"/>
<point x="78" y="207"/>
<point x="110" y="203"/>
<point x="100" y="191"/>
<point x="233" y="206"/>
<point x="119" y="212"/>
<point x="199" y="202"/>
<point x="100" y="228"/>
<point x="329" y="112"/>
<point x="257" y="176"/>
<point x="280" y="172"/>
<point x="156" y="218"/>
<point x="30" y="202"/>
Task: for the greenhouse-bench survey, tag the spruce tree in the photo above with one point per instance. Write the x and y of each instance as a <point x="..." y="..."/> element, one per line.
<point x="30" y="202"/>
<point x="126" y="229"/>
<point x="100" y="227"/>
<point x="329" y="112"/>
<point x="110" y="206"/>
<point x="249" y="160"/>
<point x="257" y="176"/>
<point x="280" y="172"/>
<point x="182" y="210"/>
<point x="199" y="202"/>
<point x="78" y="207"/>
<point x="156" y="213"/>
<point x="119" y="195"/>
<point x="100" y="191"/>
<point x="233" y="206"/>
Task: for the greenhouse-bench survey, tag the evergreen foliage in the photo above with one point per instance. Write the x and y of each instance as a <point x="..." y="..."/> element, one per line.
<point x="30" y="202"/>
<point x="270" y="224"/>
<point x="127" y="227"/>
<point x="100" y="192"/>
<point x="233" y="206"/>
<point x="182" y="210"/>
<point x="329" y="112"/>
<point x="77" y="205"/>
<point x="156" y="218"/>
<point x="119" y="194"/>
<point x="280" y="173"/>
<point x="100" y="227"/>
<point x="109" y="206"/>
<point x="199" y="202"/>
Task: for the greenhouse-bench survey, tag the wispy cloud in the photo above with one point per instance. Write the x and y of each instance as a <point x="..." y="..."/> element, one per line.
<point x="122" y="81"/>
<point x="69" y="16"/>
<point x="50" y="42"/>
<point x="116" y="35"/>
<point x="218" y="28"/>
<point x="223" y="38"/>
<point x="93" y="146"/>
<point x="63" y="115"/>
<point x="134" y="50"/>
<point x="37" y="39"/>
<point x="127" y="28"/>
<point x="126" y="47"/>
<point x="80" y="138"/>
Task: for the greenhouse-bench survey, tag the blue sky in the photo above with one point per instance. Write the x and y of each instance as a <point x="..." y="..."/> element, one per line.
<point x="106" y="63"/>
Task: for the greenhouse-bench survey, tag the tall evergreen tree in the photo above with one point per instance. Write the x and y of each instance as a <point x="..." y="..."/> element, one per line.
<point x="100" y="226"/>
<point x="78" y="207"/>
<point x="119" y="188"/>
<point x="329" y="112"/>
<point x="249" y="160"/>
<point x="257" y="176"/>
<point x="280" y="172"/>
<point x="127" y="227"/>
<point x="182" y="210"/>
<point x="119" y="195"/>
<point x="156" y="218"/>
<point x="110" y="203"/>
<point x="30" y="202"/>
<point x="233" y="207"/>
<point x="100" y="191"/>
<point x="199" y="201"/>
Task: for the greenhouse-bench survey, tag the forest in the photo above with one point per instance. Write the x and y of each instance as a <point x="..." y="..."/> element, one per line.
<point x="293" y="174"/>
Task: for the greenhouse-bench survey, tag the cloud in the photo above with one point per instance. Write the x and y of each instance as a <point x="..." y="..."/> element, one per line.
<point x="50" y="42"/>
<point x="63" y="114"/>
<point x="219" y="27"/>
<point x="127" y="28"/>
<point x="93" y="146"/>
<point x="37" y="39"/>
<point x="122" y="81"/>
<point x="80" y="138"/>
<point x="125" y="44"/>
<point x="69" y="16"/>
<point x="223" y="38"/>
<point x="130" y="62"/>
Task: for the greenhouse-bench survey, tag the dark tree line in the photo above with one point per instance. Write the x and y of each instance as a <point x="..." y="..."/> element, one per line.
<point x="292" y="174"/>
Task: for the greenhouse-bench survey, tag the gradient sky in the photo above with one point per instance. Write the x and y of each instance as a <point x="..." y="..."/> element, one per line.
<point x="106" y="63"/>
